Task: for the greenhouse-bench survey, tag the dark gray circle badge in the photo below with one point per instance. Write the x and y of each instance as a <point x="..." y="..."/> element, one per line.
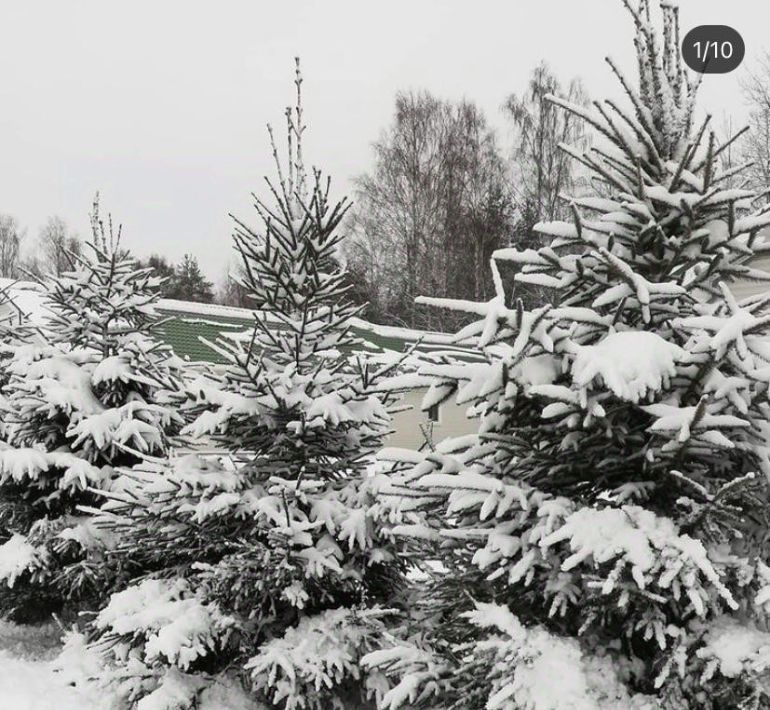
<point x="713" y="49"/>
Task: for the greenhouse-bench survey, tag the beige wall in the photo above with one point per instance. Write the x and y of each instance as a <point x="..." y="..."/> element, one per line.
<point x="6" y="311"/>
<point x="742" y="289"/>
<point x="408" y="433"/>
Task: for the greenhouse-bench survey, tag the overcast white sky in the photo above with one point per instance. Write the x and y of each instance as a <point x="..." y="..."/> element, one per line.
<point x="161" y="104"/>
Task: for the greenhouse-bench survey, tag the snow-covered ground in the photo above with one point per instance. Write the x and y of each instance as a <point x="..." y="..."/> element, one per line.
<point x="28" y="680"/>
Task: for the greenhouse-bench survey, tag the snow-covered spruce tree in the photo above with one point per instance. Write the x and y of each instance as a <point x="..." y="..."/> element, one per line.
<point x="604" y="537"/>
<point x="89" y="390"/>
<point x="14" y="332"/>
<point x="271" y="566"/>
<point x="11" y="332"/>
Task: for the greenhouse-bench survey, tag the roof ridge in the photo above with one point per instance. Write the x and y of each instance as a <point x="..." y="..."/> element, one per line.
<point x="195" y="308"/>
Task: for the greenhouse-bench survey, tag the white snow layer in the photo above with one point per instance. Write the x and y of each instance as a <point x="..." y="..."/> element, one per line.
<point x="630" y="363"/>
<point x="16" y="555"/>
<point x="28" y="677"/>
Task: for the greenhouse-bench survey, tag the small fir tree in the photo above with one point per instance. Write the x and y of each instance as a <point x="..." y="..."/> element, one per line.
<point x="603" y="539"/>
<point x="189" y="284"/>
<point x="89" y="390"/>
<point x="12" y="330"/>
<point x="163" y="268"/>
<point x="273" y="564"/>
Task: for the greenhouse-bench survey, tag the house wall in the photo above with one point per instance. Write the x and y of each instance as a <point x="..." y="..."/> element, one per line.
<point x="742" y="289"/>
<point x="408" y="424"/>
<point x="5" y="311"/>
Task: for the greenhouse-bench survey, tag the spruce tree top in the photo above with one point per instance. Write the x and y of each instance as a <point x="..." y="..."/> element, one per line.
<point x="92" y="387"/>
<point x="296" y="395"/>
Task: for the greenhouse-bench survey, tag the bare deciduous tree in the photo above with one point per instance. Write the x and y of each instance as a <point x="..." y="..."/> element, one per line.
<point x="231" y="291"/>
<point x="541" y="171"/>
<point x="57" y="245"/>
<point x="10" y="246"/>
<point x="430" y="212"/>
<point x="734" y="154"/>
<point x="755" y="143"/>
<point x="542" y="174"/>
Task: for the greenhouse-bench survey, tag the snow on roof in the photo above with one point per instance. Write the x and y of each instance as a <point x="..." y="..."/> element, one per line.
<point x="408" y="334"/>
<point x="23" y="298"/>
<point x="205" y="309"/>
<point x="16" y="285"/>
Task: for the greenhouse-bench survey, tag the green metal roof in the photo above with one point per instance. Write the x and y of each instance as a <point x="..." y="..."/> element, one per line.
<point x="186" y="334"/>
<point x="187" y="327"/>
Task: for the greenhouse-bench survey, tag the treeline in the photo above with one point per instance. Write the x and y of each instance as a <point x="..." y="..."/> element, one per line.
<point x="51" y="253"/>
<point x="444" y="194"/>
<point x="57" y="247"/>
<point x="444" y="191"/>
<point x="184" y="281"/>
